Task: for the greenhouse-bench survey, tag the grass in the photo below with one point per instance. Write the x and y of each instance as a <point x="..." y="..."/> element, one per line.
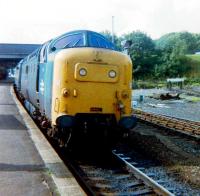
<point x="148" y="84"/>
<point x="195" y="65"/>
<point x="195" y="57"/>
<point x="193" y="99"/>
<point x="193" y="79"/>
<point x="190" y="98"/>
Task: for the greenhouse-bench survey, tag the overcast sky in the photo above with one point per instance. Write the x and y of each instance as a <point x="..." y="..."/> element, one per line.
<point x="36" y="21"/>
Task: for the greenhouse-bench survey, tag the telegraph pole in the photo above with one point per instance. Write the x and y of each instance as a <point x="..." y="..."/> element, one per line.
<point x="113" y="29"/>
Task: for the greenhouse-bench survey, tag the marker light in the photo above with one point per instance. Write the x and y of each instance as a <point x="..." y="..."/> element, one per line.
<point x="83" y="72"/>
<point x="112" y="74"/>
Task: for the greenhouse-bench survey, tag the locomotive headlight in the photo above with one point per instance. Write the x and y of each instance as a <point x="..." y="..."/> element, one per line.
<point x="83" y="72"/>
<point x="65" y="92"/>
<point x="112" y="74"/>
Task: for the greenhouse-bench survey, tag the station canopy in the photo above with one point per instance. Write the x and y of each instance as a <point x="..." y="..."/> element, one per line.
<point x="16" y="51"/>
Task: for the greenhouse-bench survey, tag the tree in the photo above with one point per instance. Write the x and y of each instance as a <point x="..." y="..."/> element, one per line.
<point x="173" y="48"/>
<point x="182" y="42"/>
<point x="142" y="53"/>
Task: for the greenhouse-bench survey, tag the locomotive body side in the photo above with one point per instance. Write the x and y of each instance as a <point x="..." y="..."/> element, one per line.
<point x="45" y="88"/>
<point x="28" y="78"/>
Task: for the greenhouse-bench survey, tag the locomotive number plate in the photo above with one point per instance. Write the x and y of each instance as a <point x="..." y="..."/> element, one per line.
<point x="95" y="109"/>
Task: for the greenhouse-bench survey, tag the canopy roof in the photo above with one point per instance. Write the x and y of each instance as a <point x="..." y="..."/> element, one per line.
<point x="16" y="51"/>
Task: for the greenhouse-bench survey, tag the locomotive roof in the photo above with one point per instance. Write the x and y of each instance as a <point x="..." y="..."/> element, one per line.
<point x="82" y="31"/>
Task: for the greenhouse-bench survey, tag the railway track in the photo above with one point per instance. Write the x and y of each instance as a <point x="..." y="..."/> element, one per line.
<point x="145" y="178"/>
<point x="122" y="176"/>
<point x="185" y="126"/>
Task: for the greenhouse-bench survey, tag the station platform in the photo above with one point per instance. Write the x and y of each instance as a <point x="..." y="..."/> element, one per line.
<point x="28" y="164"/>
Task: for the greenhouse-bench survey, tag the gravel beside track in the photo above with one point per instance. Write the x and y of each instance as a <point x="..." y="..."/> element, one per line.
<point x="179" y="154"/>
<point x="170" y="179"/>
<point x="177" y="108"/>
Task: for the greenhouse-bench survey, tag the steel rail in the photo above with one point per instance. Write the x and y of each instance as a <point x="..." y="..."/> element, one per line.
<point x="160" y="190"/>
<point x="182" y="125"/>
<point x="74" y="169"/>
<point x="136" y="111"/>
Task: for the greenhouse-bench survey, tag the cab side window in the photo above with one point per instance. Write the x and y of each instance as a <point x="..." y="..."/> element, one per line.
<point x="26" y="69"/>
<point x="42" y="55"/>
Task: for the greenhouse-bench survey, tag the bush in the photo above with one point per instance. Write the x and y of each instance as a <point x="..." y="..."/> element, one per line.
<point x="192" y="81"/>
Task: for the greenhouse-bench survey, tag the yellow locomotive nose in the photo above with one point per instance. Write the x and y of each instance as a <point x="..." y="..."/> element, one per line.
<point x="89" y="87"/>
<point x="95" y="86"/>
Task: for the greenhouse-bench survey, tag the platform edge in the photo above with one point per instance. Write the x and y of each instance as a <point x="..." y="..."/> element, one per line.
<point x="62" y="177"/>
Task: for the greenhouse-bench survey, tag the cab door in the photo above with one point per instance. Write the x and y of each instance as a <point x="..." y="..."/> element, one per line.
<point x="41" y="77"/>
<point x="44" y="86"/>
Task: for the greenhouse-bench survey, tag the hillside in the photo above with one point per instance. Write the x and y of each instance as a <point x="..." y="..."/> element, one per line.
<point x="195" y="65"/>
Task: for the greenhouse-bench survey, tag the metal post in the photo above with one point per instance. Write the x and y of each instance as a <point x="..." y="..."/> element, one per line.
<point x="113" y="29"/>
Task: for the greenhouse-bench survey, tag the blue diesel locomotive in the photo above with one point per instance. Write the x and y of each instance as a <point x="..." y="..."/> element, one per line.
<point x="77" y="81"/>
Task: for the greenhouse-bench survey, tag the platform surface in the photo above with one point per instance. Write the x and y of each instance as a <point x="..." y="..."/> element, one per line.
<point x="22" y="170"/>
